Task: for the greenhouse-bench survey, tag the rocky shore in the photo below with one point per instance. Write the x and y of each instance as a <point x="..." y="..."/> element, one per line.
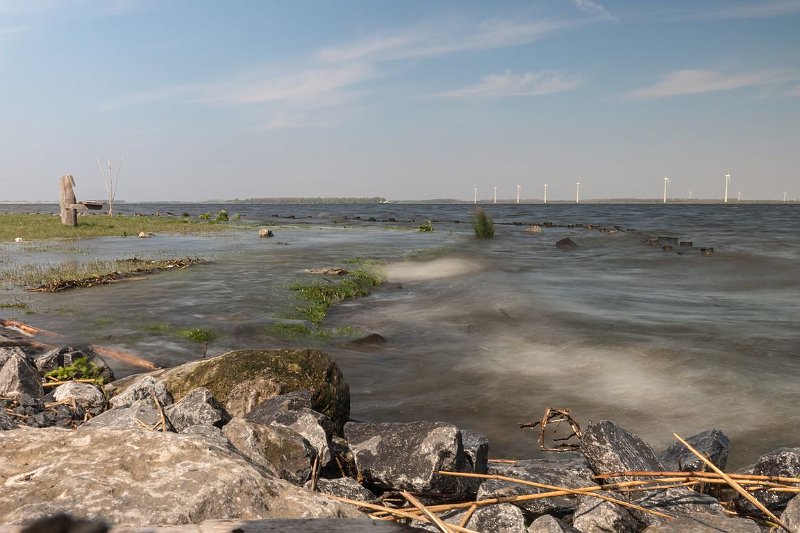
<point x="262" y="440"/>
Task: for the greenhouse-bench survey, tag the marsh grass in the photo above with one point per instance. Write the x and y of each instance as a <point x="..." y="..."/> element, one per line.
<point x="198" y="335"/>
<point x="295" y="330"/>
<point x="72" y="274"/>
<point x="319" y="296"/>
<point x="482" y="224"/>
<point x="36" y="227"/>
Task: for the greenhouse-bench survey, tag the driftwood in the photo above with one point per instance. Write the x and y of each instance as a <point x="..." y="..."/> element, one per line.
<point x="556" y="416"/>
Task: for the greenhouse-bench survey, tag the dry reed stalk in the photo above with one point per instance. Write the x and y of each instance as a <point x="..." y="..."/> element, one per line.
<point x="124" y="357"/>
<point x="57" y="383"/>
<point x="394" y="512"/>
<point x="161" y="411"/>
<point x="468" y="515"/>
<point x="738" y="488"/>
<point x="646" y="473"/>
<point x="589" y="491"/>
<point x="435" y="520"/>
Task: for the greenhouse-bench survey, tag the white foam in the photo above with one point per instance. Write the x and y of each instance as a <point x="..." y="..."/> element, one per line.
<point x="429" y="270"/>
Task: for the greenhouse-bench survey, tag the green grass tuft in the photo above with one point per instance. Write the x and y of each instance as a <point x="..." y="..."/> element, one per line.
<point x="197" y="335"/>
<point x="482" y="224"/>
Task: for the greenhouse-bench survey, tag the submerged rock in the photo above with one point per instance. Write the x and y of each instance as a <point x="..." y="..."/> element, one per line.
<point x="566" y="244"/>
<point x="136" y="477"/>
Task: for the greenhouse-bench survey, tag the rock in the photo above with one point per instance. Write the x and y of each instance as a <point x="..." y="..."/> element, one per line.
<point x="7" y="353"/>
<point x="501" y="518"/>
<point x="534" y="228"/>
<point x="593" y="515"/>
<point x="198" y="407"/>
<point x="265" y="233"/>
<point x="6" y="422"/>
<point x="609" y="448"/>
<point x="783" y="462"/>
<point x="566" y="244"/>
<point x="141" y="414"/>
<point x="707" y="251"/>
<point x="405" y="456"/>
<point x="279" y="450"/>
<point x="135" y="478"/>
<point x="64" y="523"/>
<point x="67" y="355"/>
<point x="316" y="428"/>
<point x="146" y="387"/>
<point x="791" y="515"/>
<point x="145" y="234"/>
<point x="676" y="501"/>
<point x="555" y="472"/>
<point x="242" y="379"/>
<point x="84" y="394"/>
<point x="712" y="443"/>
<point x="209" y="432"/>
<point x="476" y="446"/>
<point x="550" y="524"/>
<point x="17" y="377"/>
<point x="373" y="339"/>
<point x="704" y="523"/>
<point x="344" y="487"/>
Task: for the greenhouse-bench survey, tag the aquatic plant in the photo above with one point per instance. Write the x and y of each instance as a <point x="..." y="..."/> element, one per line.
<point x="205" y="216"/>
<point x="222" y="216"/>
<point x="198" y="335"/>
<point x="320" y="297"/>
<point x="427" y="227"/>
<point x="81" y="368"/>
<point x="482" y="224"/>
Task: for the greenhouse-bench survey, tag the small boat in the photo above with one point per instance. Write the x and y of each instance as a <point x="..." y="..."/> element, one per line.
<point x="92" y="205"/>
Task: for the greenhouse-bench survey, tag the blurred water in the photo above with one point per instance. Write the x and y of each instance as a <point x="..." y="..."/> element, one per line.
<point x="486" y="334"/>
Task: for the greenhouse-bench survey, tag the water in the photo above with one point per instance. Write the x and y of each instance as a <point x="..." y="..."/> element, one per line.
<point x="487" y="334"/>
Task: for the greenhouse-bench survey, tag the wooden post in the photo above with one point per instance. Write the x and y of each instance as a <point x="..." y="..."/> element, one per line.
<point x="69" y="215"/>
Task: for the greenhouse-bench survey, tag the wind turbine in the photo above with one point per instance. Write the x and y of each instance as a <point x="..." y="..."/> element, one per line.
<point x="545" y="193"/>
<point x="495" y="194"/>
<point x="666" y="180"/>
<point x="784" y="196"/>
<point x="578" y="192"/>
<point x="518" y="187"/>
<point x="727" y="181"/>
<point x="739" y="196"/>
<point x="475" y="195"/>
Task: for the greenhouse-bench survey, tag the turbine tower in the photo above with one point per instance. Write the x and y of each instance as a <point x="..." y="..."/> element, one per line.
<point x="578" y="192"/>
<point x="545" y="193"/>
<point x="518" y="187"/>
<point x="727" y="181"/>
<point x="475" y="195"/>
<point x="666" y="180"/>
<point x="495" y="194"/>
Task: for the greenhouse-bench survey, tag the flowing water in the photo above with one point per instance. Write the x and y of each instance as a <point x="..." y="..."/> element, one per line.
<point x="488" y="333"/>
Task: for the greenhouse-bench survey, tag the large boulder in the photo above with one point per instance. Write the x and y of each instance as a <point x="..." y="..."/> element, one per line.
<point x="406" y="456"/>
<point x="570" y="473"/>
<point x="712" y="443"/>
<point x="7" y="352"/>
<point x="476" y="446"/>
<point x="17" y="378"/>
<point x="84" y="394"/>
<point x="609" y="448"/>
<point x="140" y="414"/>
<point x="784" y="462"/>
<point x="137" y="477"/>
<point x="279" y="450"/>
<point x="791" y="515"/>
<point x="242" y="379"/>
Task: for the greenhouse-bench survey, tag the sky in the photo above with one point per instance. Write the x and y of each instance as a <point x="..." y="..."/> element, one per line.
<point x="406" y="99"/>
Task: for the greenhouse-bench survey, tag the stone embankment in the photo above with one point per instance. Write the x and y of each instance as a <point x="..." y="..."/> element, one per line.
<point x="261" y="440"/>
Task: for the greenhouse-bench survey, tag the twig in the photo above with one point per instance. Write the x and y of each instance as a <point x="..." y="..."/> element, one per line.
<point x="703" y="474"/>
<point x="57" y="383"/>
<point x="468" y="515"/>
<point x="435" y="520"/>
<point x="161" y="411"/>
<point x="395" y="512"/>
<point x="738" y="488"/>
<point x="314" y="473"/>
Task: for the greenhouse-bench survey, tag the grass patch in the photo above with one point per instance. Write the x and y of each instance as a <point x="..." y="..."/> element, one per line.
<point x="72" y="274"/>
<point x="81" y="368"/>
<point x="34" y="227"/>
<point x="295" y="330"/>
<point x="198" y="335"/>
<point x="427" y="227"/>
<point x="482" y="224"/>
<point x="15" y="304"/>
<point x="319" y="296"/>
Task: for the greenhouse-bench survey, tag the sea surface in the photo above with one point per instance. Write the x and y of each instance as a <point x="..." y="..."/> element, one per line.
<point x="485" y="334"/>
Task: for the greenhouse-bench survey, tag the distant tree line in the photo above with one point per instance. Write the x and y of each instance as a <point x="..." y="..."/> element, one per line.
<point x="298" y="200"/>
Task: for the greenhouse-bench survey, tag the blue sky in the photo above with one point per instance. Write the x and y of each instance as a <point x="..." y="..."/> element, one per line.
<point x="402" y="99"/>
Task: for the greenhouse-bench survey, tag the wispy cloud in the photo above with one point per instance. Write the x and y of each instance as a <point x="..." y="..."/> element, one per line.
<point x="593" y="8"/>
<point x="695" y="81"/>
<point x="753" y="9"/>
<point x="422" y="42"/>
<point x="510" y="84"/>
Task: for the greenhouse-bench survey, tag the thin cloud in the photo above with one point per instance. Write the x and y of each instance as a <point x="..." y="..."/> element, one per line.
<point x="593" y="8"/>
<point x="424" y="42"/>
<point x="515" y="84"/>
<point x="695" y="81"/>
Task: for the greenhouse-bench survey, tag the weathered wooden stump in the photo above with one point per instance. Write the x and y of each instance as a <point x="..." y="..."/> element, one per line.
<point x="69" y="213"/>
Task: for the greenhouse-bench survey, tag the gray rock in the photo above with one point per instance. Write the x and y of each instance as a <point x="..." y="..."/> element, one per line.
<point x="705" y="523"/>
<point x="7" y="353"/>
<point x="791" y="515"/>
<point x="6" y="422"/>
<point x="67" y="355"/>
<point x="712" y="443"/>
<point x="136" y="478"/>
<point x="294" y="411"/>
<point x="209" y="432"/>
<point x="550" y="524"/>
<point x="344" y="487"/>
<point x="609" y="448"/>
<point x="593" y="515"/>
<point x="17" y="378"/>
<point x="279" y="450"/>
<point x="198" y="408"/>
<point x="476" y="446"/>
<point x="146" y="387"/>
<point x="566" y="244"/>
<point x="676" y="501"/>
<point x="570" y="473"/>
<point x="783" y="462"/>
<point x="405" y="456"/>
<point x="141" y="414"/>
<point x="84" y="394"/>
<point x="500" y="518"/>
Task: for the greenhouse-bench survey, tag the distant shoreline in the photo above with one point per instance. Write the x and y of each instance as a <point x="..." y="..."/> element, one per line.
<point x="444" y="201"/>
